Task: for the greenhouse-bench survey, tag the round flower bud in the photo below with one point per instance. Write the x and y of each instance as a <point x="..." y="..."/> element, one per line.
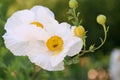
<point x="73" y="4"/>
<point x="101" y="19"/>
<point x="79" y="31"/>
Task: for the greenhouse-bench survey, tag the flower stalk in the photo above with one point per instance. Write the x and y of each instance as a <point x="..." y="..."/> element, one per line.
<point x="101" y="19"/>
<point x="105" y="29"/>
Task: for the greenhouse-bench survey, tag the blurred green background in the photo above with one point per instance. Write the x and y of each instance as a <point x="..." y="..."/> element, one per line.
<point x="20" y="68"/>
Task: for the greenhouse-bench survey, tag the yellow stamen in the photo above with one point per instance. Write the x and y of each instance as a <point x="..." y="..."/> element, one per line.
<point x="54" y="43"/>
<point x="38" y="24"/>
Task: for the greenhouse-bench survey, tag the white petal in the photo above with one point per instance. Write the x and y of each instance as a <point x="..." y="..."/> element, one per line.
<point x="75" y="46"/>
<point x="43" y="14"/>
<point x="17" y="47"/>
<point x="29" y="33"/>
<point x="43" y="11"/>
<point x="72" y="30"/>
<point x="64" y="32"/>
<point x="44" y="62"/>
<point x="38" y="54"/>
<point x="56" y="59"/>
<point x="19" y="18"/>
<point x="46" y="17"/>
<point x="37" y="33"/>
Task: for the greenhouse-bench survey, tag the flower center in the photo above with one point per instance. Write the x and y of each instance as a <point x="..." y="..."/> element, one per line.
<point x="54" y="43"/>
<point x="38" y="24"/>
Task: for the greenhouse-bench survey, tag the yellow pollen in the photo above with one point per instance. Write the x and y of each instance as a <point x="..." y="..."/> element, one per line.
<point x="54" y="43"/>
<point x="38" y="24"/>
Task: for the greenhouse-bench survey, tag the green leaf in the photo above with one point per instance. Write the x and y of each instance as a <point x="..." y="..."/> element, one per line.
<point x="92" y="47"/>
<point x="70" y="11"/>
<point x="80" y="21"/>
<point x="71" y="60"/>
<point x="107" y="28"/>
<point x="101" y="40"/>
<point x="75" y="23"/>
<point x="78" y="14"/>
<point x="70" y="17"/>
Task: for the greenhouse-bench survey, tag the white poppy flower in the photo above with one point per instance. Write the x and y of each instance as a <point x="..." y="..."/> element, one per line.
<point x="35" y="33"/>
<point x="115" y="65"/>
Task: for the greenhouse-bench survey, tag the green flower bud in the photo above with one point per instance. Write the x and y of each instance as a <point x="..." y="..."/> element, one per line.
<point x="101" y="19"/>
<point x="73" y="4"/>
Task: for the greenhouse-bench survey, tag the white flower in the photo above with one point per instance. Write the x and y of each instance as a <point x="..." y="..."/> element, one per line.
<point x="115" y="65"/>
<point x="35" y="33"/>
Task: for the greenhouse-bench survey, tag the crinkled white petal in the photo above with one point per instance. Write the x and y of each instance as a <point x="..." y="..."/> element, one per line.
<point x="75" y="46"/>
<point x="43" y="11"/>
<point x="39" y="55"/>
<point x="72" y="30"/>
<point x="18" y="19"/>
<point x="43" y="14"/>
<point x="44" y="62"/>
<point x="64" y="32"/>
<point x="56" y="59"/>
<point x="29" y="33"/>
<point x="17" y="47"/>
<point x="46" y="17"/>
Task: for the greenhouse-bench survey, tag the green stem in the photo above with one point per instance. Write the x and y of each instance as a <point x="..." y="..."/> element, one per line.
<point x="105" y="37"/>
<point x="75" y="16"/>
